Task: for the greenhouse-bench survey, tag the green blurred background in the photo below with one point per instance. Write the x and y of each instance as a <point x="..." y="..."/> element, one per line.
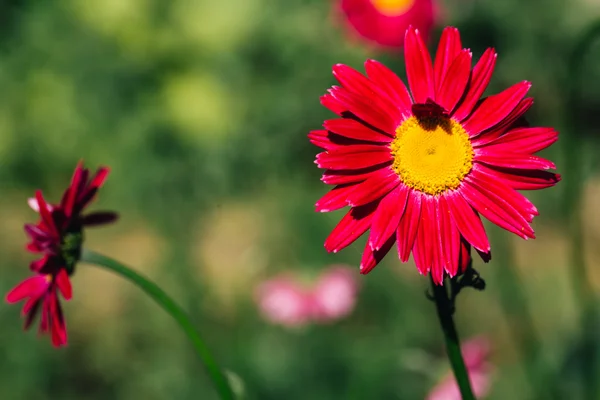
<point x="201" y="108"/>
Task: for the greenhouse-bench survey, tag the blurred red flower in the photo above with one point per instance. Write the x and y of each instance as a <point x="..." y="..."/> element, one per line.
<point x="418" y="168"/>
<point x="58" y="236"/>
<point x="285" y="300"/>
<point x="384" y="22"/>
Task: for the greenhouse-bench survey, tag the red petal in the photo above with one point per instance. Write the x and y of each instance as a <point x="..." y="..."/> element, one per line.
<point x="498" y="212"/>
<point x="418" y="67"/>
<point x="512" y="160"/>
<point x="438" y="265"/>
<point x="495" y="108"/>
<point x="482" y="73"/>
<point x="33" y="247"/>
<point x="341" y="177"/>
<point x="523" y="140"/>
<point x="57" y="323"/>
<point x="45" y="317"/>
<point x="30" y="306"/>
<point x="492" y="184"/>
<point x="100" y="177"/>
<point x="387" y="217"/>
<point x="45" y="214"/>
<point x="449" y="238"/>
<point x="409" y="224"/>
<point x="391" y="84"/>
<point x="31" y="309"/>
<point x="332" y="141"/>
<point x="353" y="129"/>
<point x="361" y="86"/>
<point x="453" y="87"/>
<point x="37" y="234"/>
<point x="447" y="50"/>
<point x="371" y="258"/>
<point x="522" y="179"/>
<point x="468" y="222"/>
<point x="38" y="265"/>
<point x="378" y="185"/>
<point x="99" y="218"/>
<point x="366" y="110"/>
<point x="97" y="181"/>
<point x="350" y="228"/>
<point x="71" y="193"/>
<point x="329" y="102"/>
<point x="64" y="284"/>
<point x="334" y="199"/>
<point x="425" y="243"/>
<point x="30" y="287"/>
<point x="464" y="255"/>
<point x="85" y="174"/>
<point x="319" y="138"/>
<point x="508" y="123"/>
<point x="354" y="157"/>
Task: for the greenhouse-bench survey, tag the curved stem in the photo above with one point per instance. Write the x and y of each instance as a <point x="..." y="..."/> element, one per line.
<point x="444" y="309"/>
<point x="216" y="375"/>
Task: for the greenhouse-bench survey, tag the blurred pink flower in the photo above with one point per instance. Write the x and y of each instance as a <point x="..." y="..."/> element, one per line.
<point x="475" y="352"/>
<point x="334" y="294"/>
<point x="285" y="300"/>
<point x="282" y="300"/>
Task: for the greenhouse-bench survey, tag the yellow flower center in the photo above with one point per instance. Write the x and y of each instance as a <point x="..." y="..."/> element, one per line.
<point x="392" y="8"/>
<point x="432" y="154"/>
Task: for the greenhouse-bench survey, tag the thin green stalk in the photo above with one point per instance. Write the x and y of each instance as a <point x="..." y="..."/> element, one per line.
<point x="573" y="187"/>
<point x="445" y="308"/>
<point x="216" y="375"/>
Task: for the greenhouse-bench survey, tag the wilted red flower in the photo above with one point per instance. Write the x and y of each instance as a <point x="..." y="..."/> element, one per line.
<point x="385" y="21"/>
<point x="58" y="236"/>
<point x="287" y="301"/>
<point x="475" y="352"/>
<point x="417" y="170"/>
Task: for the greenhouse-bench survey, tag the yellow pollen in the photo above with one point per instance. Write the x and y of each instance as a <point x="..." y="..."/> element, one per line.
<point x="48" y="278"/>
<point x="431" y="155"/>
<point x="392" y="8"/>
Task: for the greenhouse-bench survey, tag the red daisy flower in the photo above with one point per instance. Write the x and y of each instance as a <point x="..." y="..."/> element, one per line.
<point x="385" y="21"/>
<point x="58" y="236"/>
<point x="418" y="170"/>
<point x="41" y="291"/>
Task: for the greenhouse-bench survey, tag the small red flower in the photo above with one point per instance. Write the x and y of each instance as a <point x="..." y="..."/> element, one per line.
<point x="385" y="21"/>
<point x="41" y="291"/>
<point x="420" y="168"/>
<point x="58" y="237"/>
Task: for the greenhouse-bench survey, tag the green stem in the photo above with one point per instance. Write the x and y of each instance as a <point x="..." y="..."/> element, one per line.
<point x="444" y="309"/>
<point x="216" y="375"/>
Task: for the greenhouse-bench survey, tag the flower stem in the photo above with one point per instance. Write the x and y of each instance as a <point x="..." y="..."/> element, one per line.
<point x="216" y="375"/>
<point x="445" y="309"/>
